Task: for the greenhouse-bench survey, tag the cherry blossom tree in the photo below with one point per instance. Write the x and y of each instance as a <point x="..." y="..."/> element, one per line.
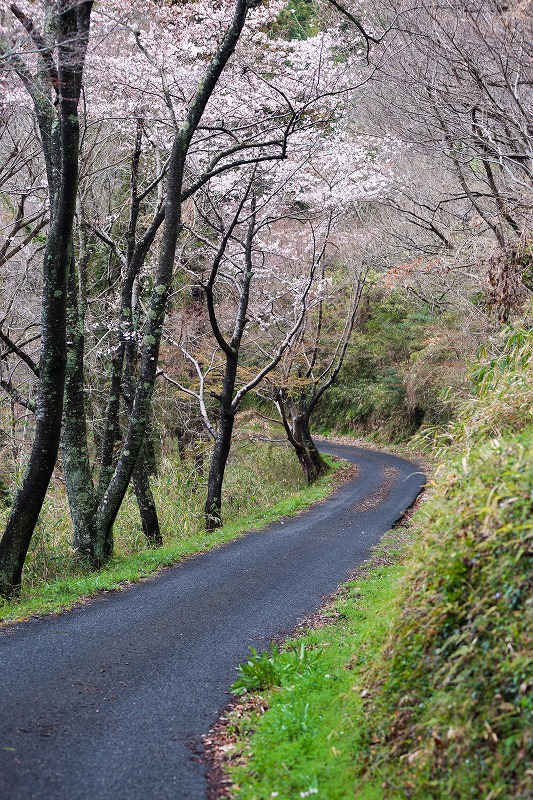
<point x="259" y="244"/>
<point x="311" y="365"/>
<point x="174" y="98"/>
<point x="256" y="109"/>
<point x="249" y="286"/>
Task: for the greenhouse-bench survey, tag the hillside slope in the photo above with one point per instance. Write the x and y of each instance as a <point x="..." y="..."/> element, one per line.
<point x="423" y="686"/>
<point x="451" y="697"/>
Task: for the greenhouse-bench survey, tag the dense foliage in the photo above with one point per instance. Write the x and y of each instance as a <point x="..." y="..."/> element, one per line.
<point x="403" y="361"/>
<point x="452" y="693"/>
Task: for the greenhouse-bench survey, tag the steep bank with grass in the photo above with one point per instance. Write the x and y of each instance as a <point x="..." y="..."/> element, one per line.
<point x="424" y="683"/>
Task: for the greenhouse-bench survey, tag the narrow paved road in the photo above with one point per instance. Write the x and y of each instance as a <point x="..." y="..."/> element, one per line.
<point x="101" y="703"/>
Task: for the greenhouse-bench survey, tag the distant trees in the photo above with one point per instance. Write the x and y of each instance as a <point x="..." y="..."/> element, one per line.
<point x="24" y="217"/>
<point x="454" y="89"/>
<point x="466" y="72"/>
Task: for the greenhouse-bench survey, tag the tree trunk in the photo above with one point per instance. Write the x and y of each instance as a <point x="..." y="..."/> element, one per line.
<point x="116" y="489"/>
<point x="30" y="497"/>
<point x="73" y="28"/>
<point x="319" y="465"/>
<point x="111" y="422"/>
<point x="217" y="467"/>
<point x="299" y="436"/>
<point x="74" y="449"/>
<point x="145" y="501"/>
<point x="140" y="474"/>
<point x="306" y="462"/>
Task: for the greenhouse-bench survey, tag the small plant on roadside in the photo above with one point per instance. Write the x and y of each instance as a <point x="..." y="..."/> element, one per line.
<point x="275" y="668"/>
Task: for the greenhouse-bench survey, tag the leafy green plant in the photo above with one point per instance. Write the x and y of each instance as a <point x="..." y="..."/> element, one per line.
<point x="298" y="20"/>
<point x="399" y="359"/>
<point x="275" y="668"/>
<point x="451" y="692"/>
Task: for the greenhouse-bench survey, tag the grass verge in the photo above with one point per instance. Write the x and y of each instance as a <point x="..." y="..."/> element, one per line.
<point x="302" y="734"/>
<point x="450" y="698"/>
<point x="424" y="685"/>
<point x="248" y="488"/>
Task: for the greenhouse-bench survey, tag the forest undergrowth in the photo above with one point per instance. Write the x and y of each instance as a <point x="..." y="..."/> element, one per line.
<point x="400" y="358"/>
<point x="421" y="680"/>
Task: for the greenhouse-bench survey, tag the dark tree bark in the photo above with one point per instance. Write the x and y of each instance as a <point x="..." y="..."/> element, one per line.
<point x="74" y="453"/>
<point x="132" y="262"/>
<point x="146" y="502"/>
<point x="319" y="465"/>
<point x="228" y="408"/>
<point x="60" y="141"/>
<point x="221" y="451"/>
<point x="123" y="368"/>
<point x="296" y="423"/>
<point x="140" y="475"/>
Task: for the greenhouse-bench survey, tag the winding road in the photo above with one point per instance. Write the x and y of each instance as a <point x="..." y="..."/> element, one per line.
<point x="103" y="702"/>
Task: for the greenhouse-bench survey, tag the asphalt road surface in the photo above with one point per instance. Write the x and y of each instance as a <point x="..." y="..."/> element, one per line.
<point x="103" y="702"/>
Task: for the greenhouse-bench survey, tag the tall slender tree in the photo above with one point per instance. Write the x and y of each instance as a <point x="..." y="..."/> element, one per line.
<point x="55" y="92"/>
<point x="238" y="254"/>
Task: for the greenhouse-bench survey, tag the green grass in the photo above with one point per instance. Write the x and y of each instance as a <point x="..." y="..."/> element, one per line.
<point x="400" y="358"/>
<point x="257" y="473"/>
<point x="451" y="694"/>
<point x="309" y="739"/>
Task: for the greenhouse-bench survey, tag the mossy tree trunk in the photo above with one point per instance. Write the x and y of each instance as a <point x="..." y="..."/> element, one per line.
<point x="74" y="450"/>
<point x="141" y="474"/>
<point x="57" y="84"/>
<point x="221" y="451"/>
<point x="295" y="420"/>
<point x="146" y="503"/>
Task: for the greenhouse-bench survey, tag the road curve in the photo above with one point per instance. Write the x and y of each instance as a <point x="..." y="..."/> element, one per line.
<point x="102" y="702"/>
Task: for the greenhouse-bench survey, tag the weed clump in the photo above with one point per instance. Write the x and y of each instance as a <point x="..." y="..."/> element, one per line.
<point x="275" y="668"/>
